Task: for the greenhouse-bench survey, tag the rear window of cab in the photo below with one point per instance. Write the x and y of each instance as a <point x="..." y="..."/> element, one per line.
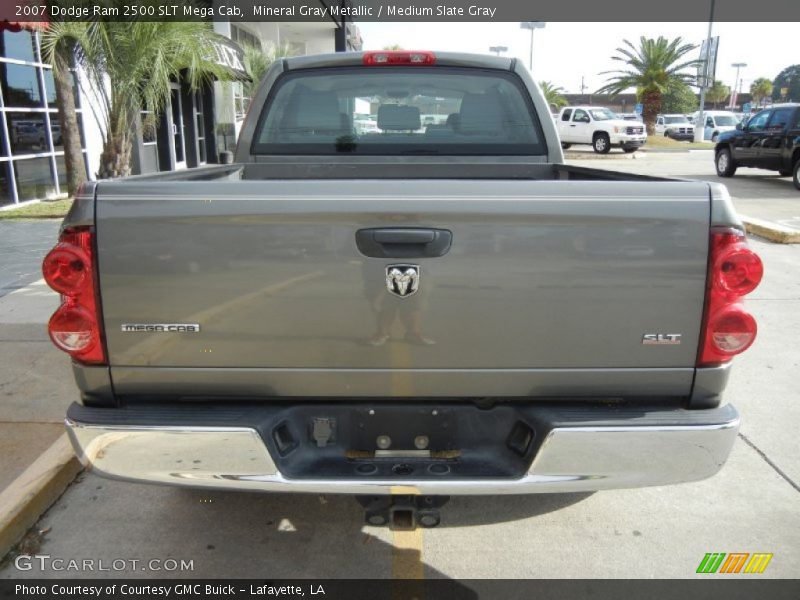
<point x="403" y="110"/>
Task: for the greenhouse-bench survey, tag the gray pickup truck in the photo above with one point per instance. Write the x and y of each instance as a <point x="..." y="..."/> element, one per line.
<point x="433" y="304"/>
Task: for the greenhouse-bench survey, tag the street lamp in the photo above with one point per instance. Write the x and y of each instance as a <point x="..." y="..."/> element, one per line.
<point x="532" y="25"/>
<point x="498" y="49"/>
<point x="700" y="123"/>
<point x="734" y="95"/>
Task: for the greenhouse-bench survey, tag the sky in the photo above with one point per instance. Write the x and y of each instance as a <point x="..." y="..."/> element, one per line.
<point x="565" y="52"/>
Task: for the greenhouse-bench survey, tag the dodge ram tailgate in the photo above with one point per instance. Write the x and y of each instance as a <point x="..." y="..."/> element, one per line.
<point x="403" y="287"/>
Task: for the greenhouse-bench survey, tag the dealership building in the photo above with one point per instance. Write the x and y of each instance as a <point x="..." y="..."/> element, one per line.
<point x="193" y="130"/>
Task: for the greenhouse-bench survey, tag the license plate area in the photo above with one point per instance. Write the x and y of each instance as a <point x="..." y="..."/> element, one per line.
<point x="419" y="441"/>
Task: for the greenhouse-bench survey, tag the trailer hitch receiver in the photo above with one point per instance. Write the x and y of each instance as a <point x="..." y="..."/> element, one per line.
<point x="403" y="512"/>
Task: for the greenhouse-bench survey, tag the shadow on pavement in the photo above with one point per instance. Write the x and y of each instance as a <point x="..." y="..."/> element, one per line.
<point x="465" y="511"/>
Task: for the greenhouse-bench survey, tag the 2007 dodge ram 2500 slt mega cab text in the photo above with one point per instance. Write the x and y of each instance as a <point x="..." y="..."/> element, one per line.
<point x="416" y="311"/>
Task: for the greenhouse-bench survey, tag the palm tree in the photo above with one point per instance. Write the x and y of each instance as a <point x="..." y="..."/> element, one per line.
<point x="718" y="92"/>
<point x="61" y="54"/>
<point x="553" y="95"/>
<point x="761" y="89"/>
<point x="130" y="67"/>
<point x="652" y="68"/>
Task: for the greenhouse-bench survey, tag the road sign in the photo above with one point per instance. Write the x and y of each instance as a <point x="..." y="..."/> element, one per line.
<point x="639" y="109"/>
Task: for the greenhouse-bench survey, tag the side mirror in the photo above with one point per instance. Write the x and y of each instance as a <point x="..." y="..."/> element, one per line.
<point x="739" y="126"/>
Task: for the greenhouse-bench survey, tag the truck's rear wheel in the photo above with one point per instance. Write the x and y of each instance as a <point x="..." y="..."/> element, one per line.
<point x="601" y="143"/>
<point x="796" y="174"/>
<point x="726" y="166"/>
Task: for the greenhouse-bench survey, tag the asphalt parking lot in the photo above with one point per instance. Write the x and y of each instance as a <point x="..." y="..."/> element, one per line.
<point x="756" y="192"/>
<point x="23" y="245"/>
<point x="752" y="505"/>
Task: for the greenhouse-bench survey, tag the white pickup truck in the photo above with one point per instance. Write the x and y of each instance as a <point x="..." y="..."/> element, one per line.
<point x="600" y="127"/>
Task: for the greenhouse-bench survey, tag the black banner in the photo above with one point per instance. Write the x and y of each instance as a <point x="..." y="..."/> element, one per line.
<point x="400" y="10"/>
<point x="743" y="587"/>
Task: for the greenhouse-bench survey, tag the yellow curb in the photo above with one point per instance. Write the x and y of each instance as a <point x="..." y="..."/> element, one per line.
<point x="35" y="490"/>
<point x="774" y="232"/>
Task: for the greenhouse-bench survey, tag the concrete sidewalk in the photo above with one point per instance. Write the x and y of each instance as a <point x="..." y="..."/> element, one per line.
<point x="35" y="388"/>
<point x="35" y="379"/>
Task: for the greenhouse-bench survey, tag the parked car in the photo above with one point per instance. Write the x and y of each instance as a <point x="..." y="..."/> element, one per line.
<point x="717" y="121"/>
<point x="28" y="136"/>
<point x="55" y="129"/>
<point x="446" y="321"/>
<point x="600" y="127"/>
<point x="677" y="127"/>
<point x="769" y="140"/>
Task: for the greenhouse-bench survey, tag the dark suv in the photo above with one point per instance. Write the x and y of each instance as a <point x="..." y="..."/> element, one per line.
<point x="769" y="140"/>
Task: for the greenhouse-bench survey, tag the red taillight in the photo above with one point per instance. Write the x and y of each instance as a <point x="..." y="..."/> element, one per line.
<point x="738" y="270"/>
<point x="734" y="271"/>
<point x="69" y="269"/>
<point x="65" y="268"/>
<point x="399" y="57"/>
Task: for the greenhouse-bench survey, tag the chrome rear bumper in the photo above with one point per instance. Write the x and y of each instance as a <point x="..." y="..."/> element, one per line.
<point x="583" y="458"/>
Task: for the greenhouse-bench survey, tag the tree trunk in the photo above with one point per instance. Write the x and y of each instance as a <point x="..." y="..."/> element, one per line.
<point x="70" y="131"/>
<point x="651" y="101"/>
<point x="115" y="160"/>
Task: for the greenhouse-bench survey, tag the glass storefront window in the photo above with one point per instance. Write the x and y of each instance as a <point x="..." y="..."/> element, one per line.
<point x="27" y="132"/>
<point x="34" y="178"/>
<point x="50" y="89"/>
<point x="29" y="104"/>
<point x="3" y="144"/>
<point x="20" y="85"/>
<point x="149" y="127"/>
<point x="19" y="45"/>
<point x="58" y="138"/>
<point x="5" y="189"/>
<point x="201" y="127"/>
<point x="55" y="132"/>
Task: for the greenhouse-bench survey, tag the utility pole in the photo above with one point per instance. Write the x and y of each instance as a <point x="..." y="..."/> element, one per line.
<point x="700" y="124"/>
<point x="583" y="86"/>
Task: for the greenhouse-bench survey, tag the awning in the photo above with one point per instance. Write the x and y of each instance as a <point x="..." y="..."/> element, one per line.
<point x="229" y="54"/>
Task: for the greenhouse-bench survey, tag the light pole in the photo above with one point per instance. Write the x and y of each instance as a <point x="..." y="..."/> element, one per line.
<point x="735" y="94"/>
<point x="700" y="123"/>
<point x="532" y="25"/>
<point x="498" y="49"/>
